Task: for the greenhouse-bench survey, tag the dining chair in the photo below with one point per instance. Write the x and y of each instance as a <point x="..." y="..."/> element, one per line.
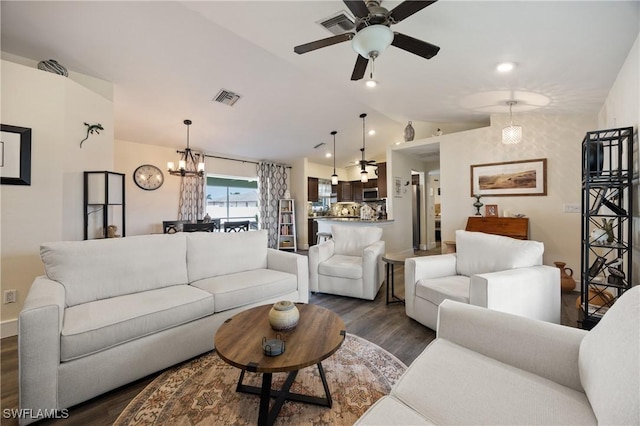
<point x="198" y="227"/>
<point x="239" y="226"/>
<point x="172" y="226"/>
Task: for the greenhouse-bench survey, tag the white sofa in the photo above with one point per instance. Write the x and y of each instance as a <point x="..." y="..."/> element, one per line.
<point x="488" y="367"/>
<point x="492" y="271"/>
<point x="111" y="311"/>
<point x="349" y="264"/>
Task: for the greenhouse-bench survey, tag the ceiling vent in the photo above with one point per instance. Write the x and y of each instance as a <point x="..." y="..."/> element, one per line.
<point x="226" y="97"/>
<point x="338" y="23"/>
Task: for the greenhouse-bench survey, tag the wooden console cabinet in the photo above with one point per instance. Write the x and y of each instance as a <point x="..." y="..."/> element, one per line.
<point x="514" y="227"/>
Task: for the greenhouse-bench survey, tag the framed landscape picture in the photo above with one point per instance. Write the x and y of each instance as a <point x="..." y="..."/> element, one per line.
<point x="15" y="155"/>
<point x="511" y="178"/>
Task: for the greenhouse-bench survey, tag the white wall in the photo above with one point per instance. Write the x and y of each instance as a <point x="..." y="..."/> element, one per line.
<point x="556" y="138"/>
<point x="622" y="109"/>
<point x="50" y="209"/>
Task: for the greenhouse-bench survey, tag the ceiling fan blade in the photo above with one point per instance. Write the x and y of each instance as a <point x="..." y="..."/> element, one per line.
<point x="360" y="68"/>
<point x="357" y="7"/>
<point x="308" y="47"/>
<point x="408" y="8"/>
<point x="415" y="46"/>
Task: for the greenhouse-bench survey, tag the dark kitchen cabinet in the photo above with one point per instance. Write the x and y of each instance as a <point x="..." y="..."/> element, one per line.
<point x="345" y="191"/>
<point x="312" y="230"/>
<point x="356" y="185"/>
<point x="382" y="180"/>
<point x="312" y="189"/>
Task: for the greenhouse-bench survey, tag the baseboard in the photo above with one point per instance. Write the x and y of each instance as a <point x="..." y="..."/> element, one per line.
<point x="8" y="328"/>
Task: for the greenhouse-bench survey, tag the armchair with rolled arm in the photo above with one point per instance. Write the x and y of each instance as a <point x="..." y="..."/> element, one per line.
<point x="492" y="271"/>
<point x="350" y="264"/>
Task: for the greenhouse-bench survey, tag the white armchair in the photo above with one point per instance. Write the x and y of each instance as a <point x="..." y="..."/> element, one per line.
<point x="350" y="264"/>
<point x="491" y="271"/>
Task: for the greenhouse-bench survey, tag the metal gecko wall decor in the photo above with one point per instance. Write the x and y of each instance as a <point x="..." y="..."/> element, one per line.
<point x="91" y="128"/>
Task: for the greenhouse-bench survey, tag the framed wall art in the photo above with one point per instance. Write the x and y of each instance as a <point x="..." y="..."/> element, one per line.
<point x="15" y="155"/>
<point x="511" y="178"/>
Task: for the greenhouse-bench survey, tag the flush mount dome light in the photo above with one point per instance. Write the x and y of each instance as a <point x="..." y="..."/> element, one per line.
<point x="505" y="66"/>
<point x="373" y="39"/>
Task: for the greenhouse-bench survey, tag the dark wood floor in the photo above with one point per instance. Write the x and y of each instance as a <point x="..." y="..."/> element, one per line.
<point x="385" y="325"/>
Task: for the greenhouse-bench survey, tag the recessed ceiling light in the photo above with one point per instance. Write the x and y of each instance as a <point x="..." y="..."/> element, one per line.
<point x="505" y="67"/>
<point x="372" y="132"/>
<point x="397" y="143"/>
<point x="328" y="155"/>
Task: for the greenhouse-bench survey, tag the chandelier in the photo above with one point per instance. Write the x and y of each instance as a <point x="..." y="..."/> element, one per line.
<point x="188" y="165"/>
<point x="511" y="134"/>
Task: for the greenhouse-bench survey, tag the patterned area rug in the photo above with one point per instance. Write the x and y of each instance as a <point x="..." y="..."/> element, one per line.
<point x="202" y="391"/>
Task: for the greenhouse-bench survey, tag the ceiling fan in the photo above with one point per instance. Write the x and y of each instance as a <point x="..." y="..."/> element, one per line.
<point x="364" y="176"/>
<point x="373" y="33"/>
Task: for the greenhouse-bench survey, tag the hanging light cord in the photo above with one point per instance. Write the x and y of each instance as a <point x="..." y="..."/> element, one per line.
<point x="334" y="151"/>
<point x="363" y="132"/>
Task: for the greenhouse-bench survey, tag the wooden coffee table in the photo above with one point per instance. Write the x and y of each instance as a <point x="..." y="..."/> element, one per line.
<point x="319" y="334"/>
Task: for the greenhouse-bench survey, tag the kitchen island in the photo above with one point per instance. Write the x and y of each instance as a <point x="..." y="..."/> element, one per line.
<point x="325" y="223"/>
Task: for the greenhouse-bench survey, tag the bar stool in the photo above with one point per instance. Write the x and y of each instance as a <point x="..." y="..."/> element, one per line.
<point x="322" y="237"/>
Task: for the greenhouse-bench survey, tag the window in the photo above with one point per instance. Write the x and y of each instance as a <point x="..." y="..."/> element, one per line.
<point x="232" y="199"/>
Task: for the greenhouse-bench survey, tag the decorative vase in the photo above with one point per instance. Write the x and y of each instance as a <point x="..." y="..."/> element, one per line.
<point x="409" y="133"/>
<point x="567" y="283"/>
<point x="53" y="66"/>
<point x="284" y="315"/>
<point x="478" y="204"/>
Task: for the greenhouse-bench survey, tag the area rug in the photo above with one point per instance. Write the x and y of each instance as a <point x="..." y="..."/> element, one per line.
<point x="202" y="391"/>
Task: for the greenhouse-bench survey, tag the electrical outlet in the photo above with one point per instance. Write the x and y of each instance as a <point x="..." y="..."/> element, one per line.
<point x="571" y="208"/>
<point x="9" y="296"/>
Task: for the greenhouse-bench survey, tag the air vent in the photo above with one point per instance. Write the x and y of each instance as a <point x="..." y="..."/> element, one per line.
<point x="226" y="97"/>
<point x="338" y="23"/>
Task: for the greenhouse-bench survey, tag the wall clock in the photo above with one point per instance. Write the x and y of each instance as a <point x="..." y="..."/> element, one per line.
<point x="148" y="177"/>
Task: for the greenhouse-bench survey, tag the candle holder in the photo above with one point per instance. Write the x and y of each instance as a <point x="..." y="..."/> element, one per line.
<point x="478" y="204"/>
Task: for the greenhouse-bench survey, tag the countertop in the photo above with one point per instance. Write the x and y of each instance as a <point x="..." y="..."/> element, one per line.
<point x="351" y="219"/>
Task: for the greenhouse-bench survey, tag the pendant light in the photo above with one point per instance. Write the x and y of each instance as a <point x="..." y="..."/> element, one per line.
<point x="364" y="176"/>
<point x="511" y="134"/>
<point x="334" y="176"/>
<point x="186" y="159"/>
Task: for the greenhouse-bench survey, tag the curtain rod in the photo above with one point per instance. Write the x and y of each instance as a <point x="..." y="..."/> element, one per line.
<point x="243" y="161"/>
<point x="235" y="159"/>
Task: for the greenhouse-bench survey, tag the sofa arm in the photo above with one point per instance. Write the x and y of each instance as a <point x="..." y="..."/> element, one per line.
<point x="39" y="328"/>
<point x="544" y="349"/>
<point x="294" y="264"/>
<point x="417" y="268"/>
<point x="317" y="254"/>
<point x="532" y="292"/>
<point x="372" y="269"/>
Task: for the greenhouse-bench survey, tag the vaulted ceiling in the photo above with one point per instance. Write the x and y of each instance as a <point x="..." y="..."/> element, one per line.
<point x="168" y="60"/>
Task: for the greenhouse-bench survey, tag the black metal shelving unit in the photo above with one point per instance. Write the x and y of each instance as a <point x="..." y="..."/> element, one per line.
<point x="606" y="262"/>
<point x="103" y="197"/>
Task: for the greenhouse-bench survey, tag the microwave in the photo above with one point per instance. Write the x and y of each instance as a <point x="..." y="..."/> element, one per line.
<point x="370" y="194"/>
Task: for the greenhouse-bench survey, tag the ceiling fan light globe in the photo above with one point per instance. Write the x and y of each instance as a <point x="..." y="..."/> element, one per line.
<point x="372" y="40"/>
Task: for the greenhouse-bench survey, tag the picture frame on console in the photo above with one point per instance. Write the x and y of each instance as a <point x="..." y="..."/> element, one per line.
<point x="15" y="155"/>
<point x="510" y="178"/>
<point x="491" y="210"/>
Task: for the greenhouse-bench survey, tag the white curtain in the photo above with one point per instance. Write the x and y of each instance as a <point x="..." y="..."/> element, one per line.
<point x="272" y="184"/>
<point x="192" y="190"/>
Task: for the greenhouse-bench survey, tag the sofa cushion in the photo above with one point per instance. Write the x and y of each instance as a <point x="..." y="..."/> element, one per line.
<point x="95" y="326"/>
<point x="479" y="253"/>
<point x="351" y="240"/>
<point x="211" y="254"/>
<point x="342" y="266"/>
<point x="436" y="290"/>
<point x="390" y="411"/>
<point x="608" y="362"/>
<point x="99" y="269"/>
<point x="464" y="387"/>
<point x="243" y="288"/>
